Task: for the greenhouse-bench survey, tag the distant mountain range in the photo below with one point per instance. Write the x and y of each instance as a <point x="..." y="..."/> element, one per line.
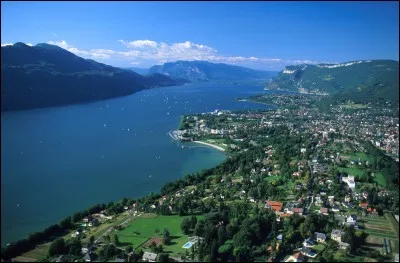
<point x="369" y="79"/>
<point x="46" y="75"/>
<point x="141" y="71"/>
<point x="201" y="71"/>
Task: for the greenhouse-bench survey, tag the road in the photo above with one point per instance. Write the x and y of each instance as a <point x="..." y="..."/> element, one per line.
<point x="110" y="229"/>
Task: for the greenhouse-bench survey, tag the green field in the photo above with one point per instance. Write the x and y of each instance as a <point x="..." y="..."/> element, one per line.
<point x="141" y="229"/>
<point x="359" y="173"/>
<point x="360" y="155"/>
<point x="380" y="179"/>
<point x="40" y="252"/>
<point x="354" y="106"/>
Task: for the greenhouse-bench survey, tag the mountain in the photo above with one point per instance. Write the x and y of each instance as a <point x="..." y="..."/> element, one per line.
<point x="372" y="79"/>
<point x="46" y="75"/>
<point x="141" y="71"/>
<point x="199" y="71"/>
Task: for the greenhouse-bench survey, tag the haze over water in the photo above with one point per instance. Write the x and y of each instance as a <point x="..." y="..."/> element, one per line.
<point x="57" y="161"/>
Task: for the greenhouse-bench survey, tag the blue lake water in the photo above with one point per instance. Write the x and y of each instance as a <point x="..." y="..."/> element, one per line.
<point x="57" y="161"/>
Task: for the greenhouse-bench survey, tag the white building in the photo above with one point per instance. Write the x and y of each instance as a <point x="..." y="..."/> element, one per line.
<point x="350" y="181"/>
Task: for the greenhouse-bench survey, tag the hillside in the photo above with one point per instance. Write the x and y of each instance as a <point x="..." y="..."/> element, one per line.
<point x="199" y="71"/>
<point x="45" y="75"/>
<point x="363" y="79"/>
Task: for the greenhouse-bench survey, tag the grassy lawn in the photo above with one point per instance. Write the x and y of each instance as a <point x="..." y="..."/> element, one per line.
<point x="319" y="247"/>
<point x="380" y="179"/>
<point x="362" y="156"/>
<point x="36" y="254"/>
<point x="142" y="228"/>
<point x="357" y="172"/>
<point x="272" y="178"/>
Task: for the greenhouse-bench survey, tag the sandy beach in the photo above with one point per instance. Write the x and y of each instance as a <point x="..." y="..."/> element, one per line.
<point x="212" y="145"/>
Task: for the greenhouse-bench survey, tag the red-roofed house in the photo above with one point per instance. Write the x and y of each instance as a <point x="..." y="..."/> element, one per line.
<point x="323" y="210"/>
<point x="276" y="206"/>
<point x="364" y="205"/>
<point x="296" y="210"/>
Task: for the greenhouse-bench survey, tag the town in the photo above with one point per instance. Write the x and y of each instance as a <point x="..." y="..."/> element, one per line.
<point x="300" y="184"/>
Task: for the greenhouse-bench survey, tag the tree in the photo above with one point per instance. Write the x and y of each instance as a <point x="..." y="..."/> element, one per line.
<point x="107" y="238"/>
<point x="91" y="239"/>
<point x="75" y="247"/>
<point x="186" y="225"/>
<point x="163" y="257"/>
<point x="193" y="222"/>
<point x="57" y="247"/>
<point x="166" y="236"/>
<point x="221" y="235"/>
<point x="66" y="223"/>
<point x="199" y="229"/>
<point x="116" y="240"/>
<point x="214" y="251"/>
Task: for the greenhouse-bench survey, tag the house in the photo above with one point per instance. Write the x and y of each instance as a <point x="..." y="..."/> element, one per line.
<point x="149" y="257"/>
<point x="335" y="208"/>
<point x="364" y="205"/>
<point x="296" y="173"/>
<point x="118" y="260"/>
<point x="351" y="219"/>
<point x="308" y="242"/>
<point x="323" y="210"/>
<point x="298" y="257"/>
<point x="298" y="211"/>
<point x="94" y="222"/>
<point x="276" y="206"/>
<point x="331" y="198"/>
<point x="320" y="237"/>
<point x="374" y="212"/>
<point x="396" y="257"/>
<point x="349" y="181"/>
<point x="88" y="219"/>
<point x="343" y="245"/>
<point x="337" y="235"/>
<point x="308" y="252"/>
<point x="87" y="257"/>
<point x="62" y="258"/>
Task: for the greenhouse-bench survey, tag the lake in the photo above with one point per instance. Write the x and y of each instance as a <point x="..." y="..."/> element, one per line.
<point x="57" y="161"/>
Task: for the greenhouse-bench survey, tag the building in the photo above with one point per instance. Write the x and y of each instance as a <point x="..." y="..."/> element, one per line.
<point x="349" y="181"/>
<point x="308" y="243"/>
<point x="337" y="235"/>
<point x="323" y="210"/>
<point x="364" y="205"/>
<point x="276" y="206"/>
<point x="298" y="211"/>
<point x="320" y="237"/>
<point x="298" y="257"/>
<point x="343" y="245"/>
<point x="351" y="219"/>
<point x="149" y="257"/>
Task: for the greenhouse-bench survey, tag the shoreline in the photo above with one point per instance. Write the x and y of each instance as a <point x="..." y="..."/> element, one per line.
<point x="212" y="145"/>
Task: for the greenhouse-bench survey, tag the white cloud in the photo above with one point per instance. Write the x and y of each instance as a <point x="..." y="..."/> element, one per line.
<point x="6" y="44"/>
<point x="62" y="43"/>
<point x="29" y="44"/>
<point x="139" y="43"/>
<point x="148" y="52"/>
<point x="54" y="34"/>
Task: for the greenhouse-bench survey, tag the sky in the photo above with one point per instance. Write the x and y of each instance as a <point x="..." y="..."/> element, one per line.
<point x="259" y="35"/>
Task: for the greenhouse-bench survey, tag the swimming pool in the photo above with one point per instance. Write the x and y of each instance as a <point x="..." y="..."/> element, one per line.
<point x="187" y="245"/>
